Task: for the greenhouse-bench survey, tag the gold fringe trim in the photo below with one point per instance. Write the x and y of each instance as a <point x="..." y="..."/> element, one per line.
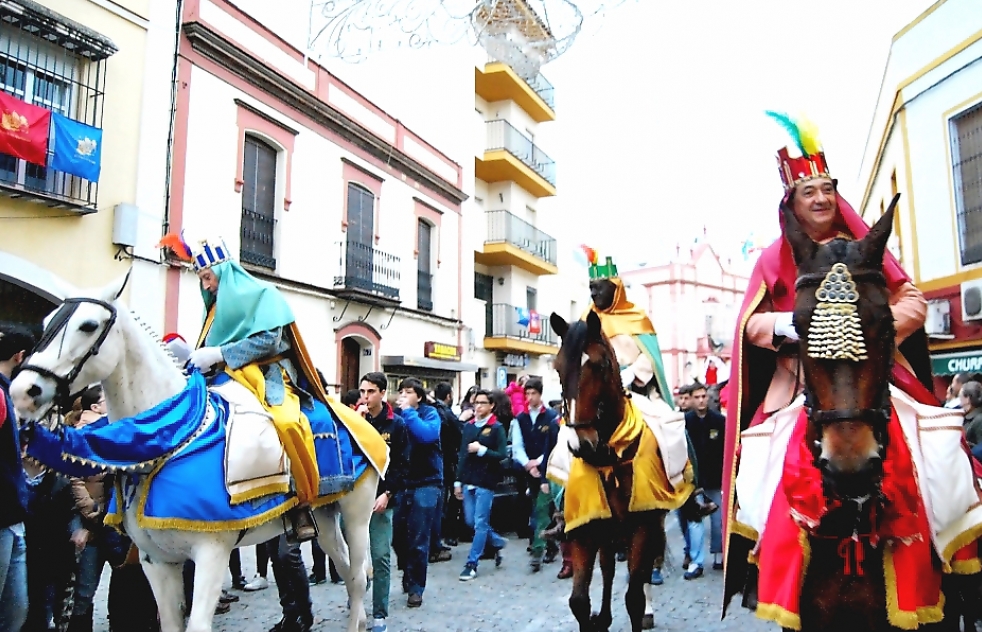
<point x="965" y="567"/>
<point x="259" y="492"/>
<point x="960" y="541"/>
<point x="905" y="619"/>
<point x="779" y="615"/>
<point x="215" y="526"/>
<point x="744" y="530"/>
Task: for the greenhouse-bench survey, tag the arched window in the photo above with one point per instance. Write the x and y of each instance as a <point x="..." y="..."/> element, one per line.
<point x="258" y="202"/>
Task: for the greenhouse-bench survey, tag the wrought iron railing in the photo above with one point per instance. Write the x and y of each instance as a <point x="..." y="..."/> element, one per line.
<point x="504" y="227"/>
<point x="256" y="237"/>
<point x="424" y="291"/>
<point x="505" y="324"/>
<point x="368" y="269"/>
<point x="503" y="135"/>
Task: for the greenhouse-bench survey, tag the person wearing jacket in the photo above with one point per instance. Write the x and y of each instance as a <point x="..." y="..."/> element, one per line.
<point x="516" y="393"/>
<point x="393" y="430"/>
<point x="482" y="448"/>
<point x="418" y="506"/>
<point x="15" y="344"/>
<point x="533" y="434"/>
<point x="449" y="527"/>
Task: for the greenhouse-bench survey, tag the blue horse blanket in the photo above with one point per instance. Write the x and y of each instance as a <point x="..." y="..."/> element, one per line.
<point x="180" y="446"/>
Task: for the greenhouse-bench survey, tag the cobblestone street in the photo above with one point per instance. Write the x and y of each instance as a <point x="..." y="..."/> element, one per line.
<point x="508" y="599"/>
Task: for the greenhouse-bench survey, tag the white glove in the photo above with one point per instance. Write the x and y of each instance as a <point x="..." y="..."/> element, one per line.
<point x="627" y="377"/>
<point x="784" y="326"/>
<point x="206" y="357"/>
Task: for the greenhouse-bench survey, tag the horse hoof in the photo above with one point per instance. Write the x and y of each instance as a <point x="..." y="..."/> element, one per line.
<point x="600" y="624"/>
<point x="648" y="622"/>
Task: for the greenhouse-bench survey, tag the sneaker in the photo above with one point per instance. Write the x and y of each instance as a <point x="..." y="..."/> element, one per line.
<point x="313" y="579"/>
<point x="717" y="566"/>
<point x="497" y="558"/>
<point x="228" y="597"/>
<point x="469" y="573"/>
<point x="443" y="556"/>
<point x="536" y="562"/>
<point x="238" y="583"/>
<point x="694" y="572"/>
<point x="414" y="601"/>
<point x="656" y="578"/>
<point x="258" y="583"/>
<point x="379" y="626"/>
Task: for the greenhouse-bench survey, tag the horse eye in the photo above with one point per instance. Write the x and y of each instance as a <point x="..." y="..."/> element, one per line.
<point x="88" y="326"/>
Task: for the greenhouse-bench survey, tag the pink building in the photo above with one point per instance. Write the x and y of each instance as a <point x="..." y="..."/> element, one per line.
<point x="693" y="303"/>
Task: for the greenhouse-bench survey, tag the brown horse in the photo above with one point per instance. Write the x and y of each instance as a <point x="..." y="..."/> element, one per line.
<point x="594" y="402"/>
<point x="848" y="404"/>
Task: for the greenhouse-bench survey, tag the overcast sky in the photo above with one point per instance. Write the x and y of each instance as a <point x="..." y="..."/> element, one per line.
<point x="660" y="125"/>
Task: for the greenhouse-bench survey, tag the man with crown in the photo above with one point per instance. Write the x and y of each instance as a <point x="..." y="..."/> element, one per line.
<point x="250" y="335"/>
<point x="766" y="384"/>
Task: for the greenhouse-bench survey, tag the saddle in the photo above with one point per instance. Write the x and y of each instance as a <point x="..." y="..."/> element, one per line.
<point x="255" y="462"/>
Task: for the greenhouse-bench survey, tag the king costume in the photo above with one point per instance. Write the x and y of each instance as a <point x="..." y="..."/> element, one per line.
<point x="773" y="497"/>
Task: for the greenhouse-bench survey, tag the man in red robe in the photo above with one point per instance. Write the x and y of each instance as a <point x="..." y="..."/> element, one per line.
<point x="766" y="377"/>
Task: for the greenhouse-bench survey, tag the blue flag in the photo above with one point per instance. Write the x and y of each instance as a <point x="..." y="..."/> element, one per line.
<point x="78" y="148"/>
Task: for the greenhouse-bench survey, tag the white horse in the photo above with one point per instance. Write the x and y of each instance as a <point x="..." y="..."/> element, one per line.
<point x="103" y="342"/>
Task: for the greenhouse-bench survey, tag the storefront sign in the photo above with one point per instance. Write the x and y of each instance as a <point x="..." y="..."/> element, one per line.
<point x="441" y="351"/>
<point x="516" y="360"/>
<point x="952" y="363"/>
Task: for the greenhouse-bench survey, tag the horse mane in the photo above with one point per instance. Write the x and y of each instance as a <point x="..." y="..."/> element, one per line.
<point x="149" y="330"/>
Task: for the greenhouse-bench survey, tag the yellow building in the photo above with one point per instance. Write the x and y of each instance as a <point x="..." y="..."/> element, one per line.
<point x="89" y="61"/>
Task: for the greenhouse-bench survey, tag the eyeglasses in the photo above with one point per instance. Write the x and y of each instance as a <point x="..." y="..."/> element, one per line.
<point x="482" y="403"/>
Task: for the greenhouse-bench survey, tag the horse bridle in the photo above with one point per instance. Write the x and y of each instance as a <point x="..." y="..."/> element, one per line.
<point x="605" y="366"/>
<point x="873" y="416"/>
<point x="58" y="323"/>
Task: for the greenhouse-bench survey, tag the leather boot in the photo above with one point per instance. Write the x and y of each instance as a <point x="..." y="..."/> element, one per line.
<point x="304" y="526"/>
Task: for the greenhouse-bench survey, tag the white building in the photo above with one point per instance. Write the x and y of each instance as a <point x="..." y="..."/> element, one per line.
<point x="355" y="217"/>
<point x="925" y="142"/>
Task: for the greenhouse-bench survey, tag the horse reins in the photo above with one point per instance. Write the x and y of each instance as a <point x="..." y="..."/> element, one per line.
<point x="58" y="325"/>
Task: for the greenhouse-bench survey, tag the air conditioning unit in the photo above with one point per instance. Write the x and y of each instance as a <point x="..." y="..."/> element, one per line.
<point x="971" y="300"/>
<point x="938" y="322"/>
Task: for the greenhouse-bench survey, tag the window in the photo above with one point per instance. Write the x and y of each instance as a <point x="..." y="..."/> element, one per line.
<point x="966" y="133"/>
<point x="484" y="291"/>
<point x="49" y="62"/>
<point x="258" y="202"/>
<point x="358" y="247"/>
<point x="531" y="299"/>
<point x="424" y="258"/>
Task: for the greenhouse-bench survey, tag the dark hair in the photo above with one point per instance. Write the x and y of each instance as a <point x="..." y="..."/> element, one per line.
<point x="973" y="391"/>
<point x="486" y="393"/>
<point x="442" y="391"/>
<point x="685" y="389"/>
<point x="502" y="406"/>
<point x="469" y="395"/>
<point x="416" y="385"/>
<point x="963" y="378"/>
<point x="696" y="386"/>
<point x="320" y="376"/>
<point x="90" y="397"/>
<point x="534" y="384"/>
<point x="378" y="379"/>
<point x="555" y="403"/>
<point x="13" y="340"/>
<point x="351" y="397"/>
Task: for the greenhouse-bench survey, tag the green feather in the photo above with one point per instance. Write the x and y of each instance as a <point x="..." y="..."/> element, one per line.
<point x="792" y="128"/>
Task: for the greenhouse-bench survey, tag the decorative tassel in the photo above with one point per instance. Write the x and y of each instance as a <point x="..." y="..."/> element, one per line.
<point x="836" y="332"/>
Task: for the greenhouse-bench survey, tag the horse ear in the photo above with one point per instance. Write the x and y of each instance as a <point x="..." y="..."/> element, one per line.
<point x="802" y="246"/>
<point x="593" y="325"/>
<point x="875" y="242"/>
<point x="115" y="289"/>
<point x="559" y="325"/>
<point x="63" y="288"/>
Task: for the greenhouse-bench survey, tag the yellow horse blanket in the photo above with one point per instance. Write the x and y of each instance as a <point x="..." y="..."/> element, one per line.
<point x="585" y="499"/>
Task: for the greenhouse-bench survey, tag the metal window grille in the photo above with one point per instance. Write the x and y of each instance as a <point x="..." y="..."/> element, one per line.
<point x="258" y="203"/>
<point x="967" y="152"/>
<point x="51" y="64"/>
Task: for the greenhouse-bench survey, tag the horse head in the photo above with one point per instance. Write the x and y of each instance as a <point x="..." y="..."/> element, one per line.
<point x="80" y="346"/>
<point x="846" y="349"/>
<point x="593" y="399"/>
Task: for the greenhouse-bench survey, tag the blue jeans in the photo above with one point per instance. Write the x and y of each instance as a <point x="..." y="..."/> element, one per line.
<point x="695" y="540"/>
<point x="684" y="528"/>
<point x="716" y="521"/>
<point x="477" y="514"/>
<point x="13" y="578"/>
<point x="90" y="564"/>
<point x="418" y="509"/>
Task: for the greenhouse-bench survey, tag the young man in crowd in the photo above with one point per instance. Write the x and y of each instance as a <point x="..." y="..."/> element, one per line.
<point x="448" y="528"/>
<point x="706" y="429"/>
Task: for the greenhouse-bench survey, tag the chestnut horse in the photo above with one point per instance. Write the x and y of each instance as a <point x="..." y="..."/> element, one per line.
<point x="594" y="404"/>
<point x="848" y="406"/>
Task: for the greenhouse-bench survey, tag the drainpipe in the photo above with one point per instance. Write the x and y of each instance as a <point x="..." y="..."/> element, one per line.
<point x="179" y="7"/>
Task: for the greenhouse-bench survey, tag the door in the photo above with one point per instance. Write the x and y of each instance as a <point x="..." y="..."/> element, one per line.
<point x="350" y="364"/>
<point x="484" y="290"/>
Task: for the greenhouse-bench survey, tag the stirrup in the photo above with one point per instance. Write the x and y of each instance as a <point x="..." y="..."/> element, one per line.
<point x="301" y="526"/>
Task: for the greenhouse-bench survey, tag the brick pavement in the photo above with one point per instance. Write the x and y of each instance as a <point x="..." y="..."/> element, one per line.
<point x="508" y="599"/>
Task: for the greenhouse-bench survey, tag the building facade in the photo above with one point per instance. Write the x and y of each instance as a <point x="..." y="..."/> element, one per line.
<point x="106" y="66"/>
<point x="693" y="303"/>
<point x="926" y="144"/>
<point x="355" y="217"/>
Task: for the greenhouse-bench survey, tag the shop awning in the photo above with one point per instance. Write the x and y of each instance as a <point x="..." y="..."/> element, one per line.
<point x="952" y="363"/>
<point x="429" y="363"/>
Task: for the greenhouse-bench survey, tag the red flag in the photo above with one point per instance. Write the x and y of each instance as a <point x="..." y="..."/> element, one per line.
<point x="24" y="130"/>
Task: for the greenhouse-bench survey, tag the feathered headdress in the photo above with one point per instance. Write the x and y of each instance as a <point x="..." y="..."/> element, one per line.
<point x="811" y="163"/>
<point x="207" y="254"/>
<point x="606" y="271"/>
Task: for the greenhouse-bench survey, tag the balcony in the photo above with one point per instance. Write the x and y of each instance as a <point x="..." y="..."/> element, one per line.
<point x="504" y="333"/>
<point x="512" y="157"/>
<point x="367" y="274"/>
<point x="511" y="241"/>
<point x="424" y="291"/>
<point x="498" y="82"/>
